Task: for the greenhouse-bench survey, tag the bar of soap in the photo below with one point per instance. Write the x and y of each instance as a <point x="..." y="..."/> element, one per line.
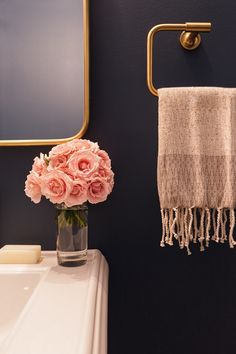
<point x="20" y="254"/>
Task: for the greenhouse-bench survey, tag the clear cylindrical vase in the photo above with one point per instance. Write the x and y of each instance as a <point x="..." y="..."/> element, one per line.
<point x="72" y="234"/>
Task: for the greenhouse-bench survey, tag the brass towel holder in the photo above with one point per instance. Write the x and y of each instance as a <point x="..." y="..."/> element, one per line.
<point x="189" y="39"/>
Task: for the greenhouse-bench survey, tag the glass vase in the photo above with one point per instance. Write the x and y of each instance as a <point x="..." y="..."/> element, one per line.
<point x="72" y="235"/>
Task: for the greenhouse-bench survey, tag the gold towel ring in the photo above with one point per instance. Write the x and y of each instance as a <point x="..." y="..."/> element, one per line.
<point x="189" y="39"/>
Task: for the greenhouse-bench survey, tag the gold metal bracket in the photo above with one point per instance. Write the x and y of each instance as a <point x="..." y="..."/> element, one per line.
<point x="190" y="39"/>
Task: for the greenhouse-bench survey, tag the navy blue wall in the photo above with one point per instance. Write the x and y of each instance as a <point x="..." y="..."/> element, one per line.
<point x="161" y="301"/>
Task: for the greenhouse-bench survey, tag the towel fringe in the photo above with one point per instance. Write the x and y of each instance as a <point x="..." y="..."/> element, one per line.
<point x="170" y="227"/>
<point x="202" y="233"/>
<point x="223" y="226"/>
<point x="196" y="231"/>
<point x="182" y="238"/>
<point x="214" y="224"/>
<point x="162" y="243"/>
<point x="192" y="225"/>
<point x="167" y="226"/>
<point x="232" y="242"/>
<point x="186" y="230"/>
<point x="174" y="232"/>
<point x="208" y="226"/>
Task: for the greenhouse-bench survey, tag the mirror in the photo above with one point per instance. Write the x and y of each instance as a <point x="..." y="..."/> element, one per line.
<point x="44" y="71"/>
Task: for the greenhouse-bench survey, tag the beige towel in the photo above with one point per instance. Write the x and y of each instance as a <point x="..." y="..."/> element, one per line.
<point x="197" y="165"/>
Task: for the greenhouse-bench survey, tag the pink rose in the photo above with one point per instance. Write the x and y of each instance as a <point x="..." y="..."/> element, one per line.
<point x="39" y="165"/>
<point x="73" y="173"/>
<point x="56" y="186"/>
<point x="105" y="173"/>
<point x="33" y="187"/>
<point x="61" y="149"/>
<point x="83" y="164"/>
<point x="57" y="162"/>
<point x="78" y="195"/>
<point x="94" y="147"/>
<point x="105" y="161"/>
<point x="98" y="190"/>
<point x="83" y="144"/>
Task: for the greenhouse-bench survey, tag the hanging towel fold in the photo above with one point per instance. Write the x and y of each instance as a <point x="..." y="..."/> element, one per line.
<point x="197" y="165"/>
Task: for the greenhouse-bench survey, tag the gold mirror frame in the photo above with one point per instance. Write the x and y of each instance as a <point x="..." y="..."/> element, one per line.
<point x="33" y="142"/>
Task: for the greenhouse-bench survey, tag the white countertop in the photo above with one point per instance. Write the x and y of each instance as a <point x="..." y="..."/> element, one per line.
<point x="67" y="312"/>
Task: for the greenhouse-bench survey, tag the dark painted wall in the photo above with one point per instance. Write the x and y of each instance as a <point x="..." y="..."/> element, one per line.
<point x="161" y="301"/>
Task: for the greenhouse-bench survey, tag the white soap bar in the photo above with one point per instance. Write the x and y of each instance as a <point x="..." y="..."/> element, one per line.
<point x="20" y="254"/>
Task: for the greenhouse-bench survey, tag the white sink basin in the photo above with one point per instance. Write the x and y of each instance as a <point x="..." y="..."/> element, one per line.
<point x="46" y="308"/>
<point x="17" y="283"/>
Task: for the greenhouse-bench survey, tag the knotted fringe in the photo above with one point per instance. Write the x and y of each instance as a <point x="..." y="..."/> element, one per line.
<point x="194" y="225"/>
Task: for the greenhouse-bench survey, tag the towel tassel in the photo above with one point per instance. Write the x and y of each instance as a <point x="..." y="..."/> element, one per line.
<point x="174" y="232"/>
<point x="232" y="242"/>
<point x="167" y="226"/>
<point x="170" y="227"/>
<point x="214" y="224"/>
<point x="223" y="226"/>
<point x="162" y="243"/>
<point x="190" y="223"/>
<point x="186" y="230"/>
<point x="182" y="238"/>
<point x="185" y="225"/>
<point x="195" y="225"/>
<point x="201" y="238"/>
<point x="208" y="226"/>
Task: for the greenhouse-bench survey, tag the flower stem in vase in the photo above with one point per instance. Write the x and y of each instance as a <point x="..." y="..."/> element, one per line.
<point x="72" y="234"/>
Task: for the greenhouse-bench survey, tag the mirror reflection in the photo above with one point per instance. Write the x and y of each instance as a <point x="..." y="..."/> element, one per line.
<point x="41" y="69"/>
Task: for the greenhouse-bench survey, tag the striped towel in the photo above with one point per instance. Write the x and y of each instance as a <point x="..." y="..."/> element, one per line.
<point x="197" y="165"/>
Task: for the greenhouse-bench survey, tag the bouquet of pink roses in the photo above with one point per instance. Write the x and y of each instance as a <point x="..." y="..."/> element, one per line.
<point x="72" y="173"/>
